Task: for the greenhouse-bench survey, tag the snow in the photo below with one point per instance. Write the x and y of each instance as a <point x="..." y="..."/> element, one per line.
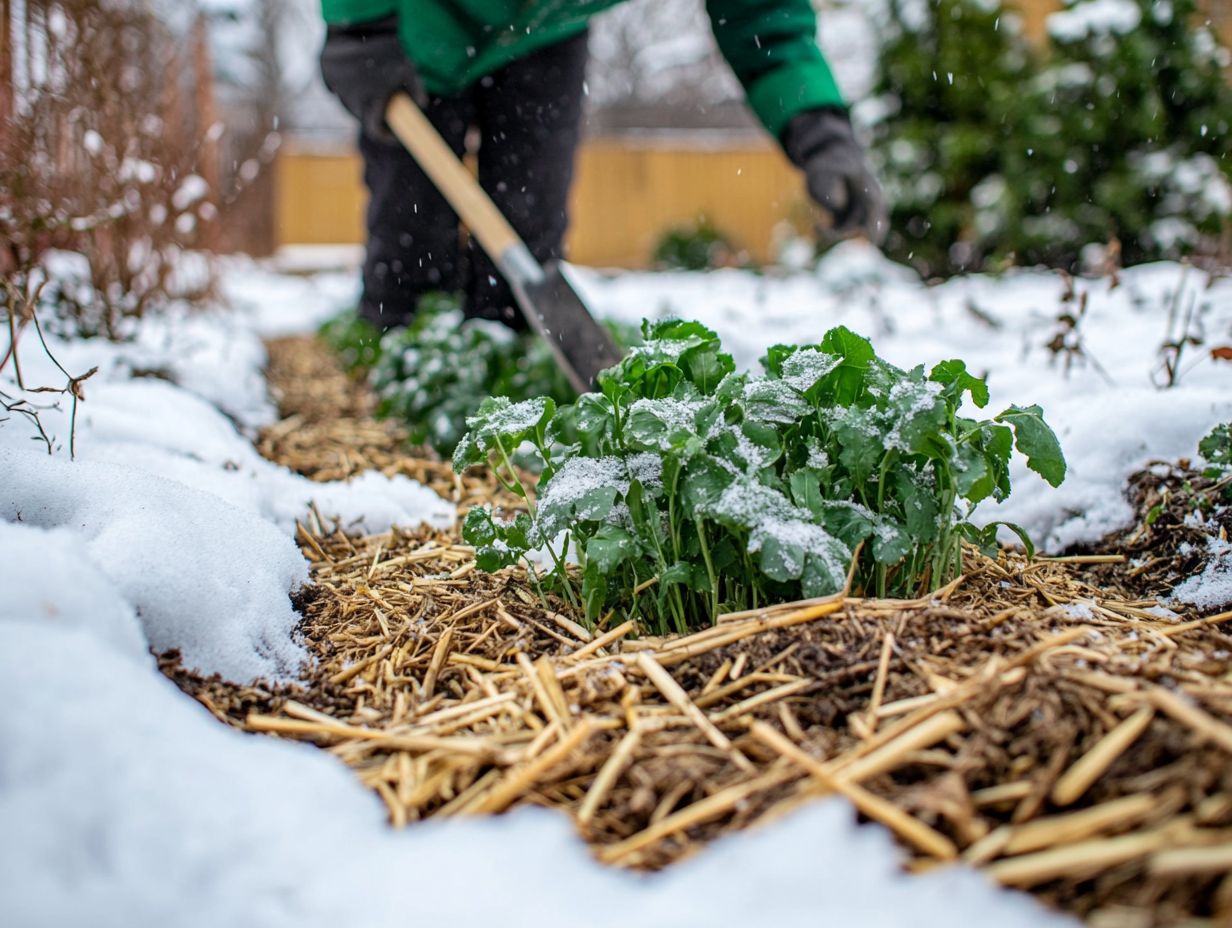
<point x="774" y="401"/>
<point x="770" y="517"/>
<point x="578" y="477"/>
<point x="1211" y="589"/>
<point x="514" y="417"/>
<point x="163" y="544"/>
<point x="192" y="188"/>
<point x="71" y="593"/>
<point x="168" y="502"/>
<point x="1094" y="17"/>
<point x="676" y="415"/>
<point x="309" y="258"/>
<point x="804" y="369"/>
<point x="273" y="304"/>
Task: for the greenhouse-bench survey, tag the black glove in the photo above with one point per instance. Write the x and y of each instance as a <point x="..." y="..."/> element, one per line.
<point x="364" y="65"/>
<point x="821" y="143"/>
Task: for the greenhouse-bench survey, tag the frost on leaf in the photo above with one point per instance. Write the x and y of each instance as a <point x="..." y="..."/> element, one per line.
<point x="584" y="490"/>
<point x="919" y="416"/>
<point x="774" y="401"/>
<point x="817" y="457"/>
<point x="513" y="417"/>
<point x="663" y="350"/>
<point x="500" y="424"/>
<point x="748" y="456"/>
<point x="663" y="424"/>
<point x="791" y="545"/>
<point x="647" y="469"/>
<point x="804" y="369"/>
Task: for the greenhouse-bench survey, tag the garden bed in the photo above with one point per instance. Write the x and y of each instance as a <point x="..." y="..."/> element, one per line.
<point x="1042" y="720"/>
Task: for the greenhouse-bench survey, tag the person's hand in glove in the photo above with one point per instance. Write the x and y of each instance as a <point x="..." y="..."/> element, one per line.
<point x="822" y="144"/>
<point x="364" y="65"/>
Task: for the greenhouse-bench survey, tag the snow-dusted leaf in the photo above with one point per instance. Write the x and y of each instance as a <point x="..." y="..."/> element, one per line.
<point x="583" y="490"/>
<point x="919" y="419"/>
<point x="664" y="424"/>
<point x="804" y="369"/>
<point x="610" y="547"/>
<point x="1036" y="441"/>
<point x="774" y="401"/>
<point x="958" y="380"/>
<point x="499" y="422"/>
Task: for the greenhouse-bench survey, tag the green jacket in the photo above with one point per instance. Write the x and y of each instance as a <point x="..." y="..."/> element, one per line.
<point x="770" y="44"/>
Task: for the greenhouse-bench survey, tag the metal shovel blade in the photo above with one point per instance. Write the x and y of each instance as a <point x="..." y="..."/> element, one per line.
<point x="553" y="308"/>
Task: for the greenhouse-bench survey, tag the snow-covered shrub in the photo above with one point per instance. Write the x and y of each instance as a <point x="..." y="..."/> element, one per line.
<point x="1121" y="128"/>
<point x="950" y="78"/>
<point x="437" y="371"/>
<point x="105" y="148"/>
<point x="1137" y="143"/>
<point x="689" y="490"/>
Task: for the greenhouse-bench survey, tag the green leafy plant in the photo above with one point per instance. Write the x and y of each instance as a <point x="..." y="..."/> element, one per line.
<point x="437" y="371"/>
<point x="690" y="489"/>
<point x="440" y="369"/>
<point x="1216" y="450"/>
<point x="697" y="247"/>
<point x="356" y="341"/>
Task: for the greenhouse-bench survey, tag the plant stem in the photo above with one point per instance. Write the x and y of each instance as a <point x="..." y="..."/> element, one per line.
<point x="883" y="473"/>
<point x="565" y="582"/>
<point x="750" y="573"/>
<point x="714" y="581"/>
<point x="521" y="489"/>
<point x="671" y="514"/>
<point x="534" y="578"/>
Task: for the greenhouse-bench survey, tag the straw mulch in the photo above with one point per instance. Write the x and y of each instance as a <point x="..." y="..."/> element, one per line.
<point x="1167" y="544"/>
<point x="328" y="431"/>
<point x="1065" y="738"/>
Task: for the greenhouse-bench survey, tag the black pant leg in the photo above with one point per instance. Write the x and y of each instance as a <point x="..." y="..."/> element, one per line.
<point x="413" y="241"/>
<point x="528" y="114"/>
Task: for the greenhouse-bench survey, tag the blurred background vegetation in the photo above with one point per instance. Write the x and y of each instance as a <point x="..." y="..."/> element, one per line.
<point x="994" y="149"/>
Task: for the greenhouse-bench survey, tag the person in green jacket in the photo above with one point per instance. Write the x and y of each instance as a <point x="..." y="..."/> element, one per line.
<point x="513" y="71"/>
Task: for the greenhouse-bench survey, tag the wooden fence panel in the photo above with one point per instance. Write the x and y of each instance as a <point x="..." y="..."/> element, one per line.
<point x="319" y="196"/>
<point x="627" y="193"/>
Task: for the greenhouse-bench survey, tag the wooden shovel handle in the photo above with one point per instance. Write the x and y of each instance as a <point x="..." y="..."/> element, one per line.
<point x="451" y="177"/>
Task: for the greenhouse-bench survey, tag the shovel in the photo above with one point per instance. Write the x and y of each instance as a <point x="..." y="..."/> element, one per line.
<point x="552" y="307"/>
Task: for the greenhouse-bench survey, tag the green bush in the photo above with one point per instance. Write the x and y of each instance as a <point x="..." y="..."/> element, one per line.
<point x="356" y="341"/>
<point x="689" y="490"/>
<point x="994" y="151"/>
<point x="438" y="370"/>
<point x="697" y="247"/>
<point x="951" y="74"/>
<point x="1216" y="450"/>
<point x="434" y="373"/>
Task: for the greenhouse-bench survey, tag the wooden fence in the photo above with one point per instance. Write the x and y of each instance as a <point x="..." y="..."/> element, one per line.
<point x="627" y="193"/>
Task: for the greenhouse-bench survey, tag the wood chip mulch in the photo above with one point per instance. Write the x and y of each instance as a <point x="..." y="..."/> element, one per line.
<point x="1067" y="738"/>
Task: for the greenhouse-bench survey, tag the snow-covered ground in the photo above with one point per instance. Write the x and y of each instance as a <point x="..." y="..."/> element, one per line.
<point x="124" y="802"/>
